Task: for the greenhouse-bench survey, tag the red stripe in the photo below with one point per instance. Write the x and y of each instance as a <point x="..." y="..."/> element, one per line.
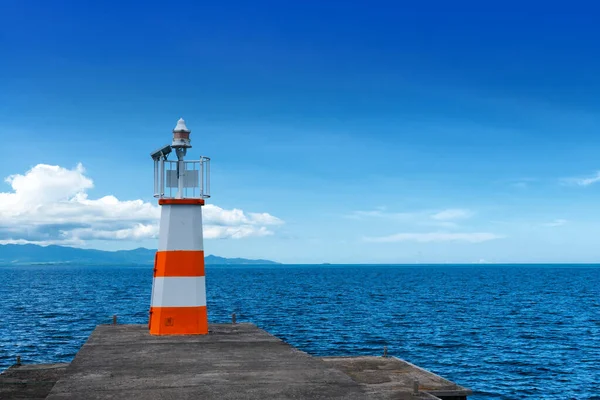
<point x="179" y="263"/>
<point x="199" y="202"/>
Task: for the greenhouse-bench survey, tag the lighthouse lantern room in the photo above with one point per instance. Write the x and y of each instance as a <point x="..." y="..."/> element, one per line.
<point x="179" y="178"/>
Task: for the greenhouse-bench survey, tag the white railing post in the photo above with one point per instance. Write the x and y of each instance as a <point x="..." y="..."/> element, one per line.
<point x="161" y="185"/>
<point x="154" y="177"/>
<point x="208" y="176"/>
<point x="201" y="172"/>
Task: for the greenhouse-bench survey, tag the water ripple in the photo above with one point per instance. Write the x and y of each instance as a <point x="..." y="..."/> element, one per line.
<point x="507" y="333"/>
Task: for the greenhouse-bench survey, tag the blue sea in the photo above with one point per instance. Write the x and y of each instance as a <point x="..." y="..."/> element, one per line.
<point x="506" y="332"/>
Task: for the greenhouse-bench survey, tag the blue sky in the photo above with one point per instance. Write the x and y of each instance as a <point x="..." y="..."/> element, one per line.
<point x="373" y="131"/>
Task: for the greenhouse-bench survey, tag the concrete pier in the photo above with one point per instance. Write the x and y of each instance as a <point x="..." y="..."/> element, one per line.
<point x="234" y="361"/>
<point x="30" y="381"/>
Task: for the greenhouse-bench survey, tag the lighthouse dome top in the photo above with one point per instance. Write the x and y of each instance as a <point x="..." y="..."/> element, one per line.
<point x="181" y="136"/>
<point x="181" y="127"/>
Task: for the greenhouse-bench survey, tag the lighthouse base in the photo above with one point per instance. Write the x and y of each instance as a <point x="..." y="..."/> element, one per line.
<point x="178" y="321"/>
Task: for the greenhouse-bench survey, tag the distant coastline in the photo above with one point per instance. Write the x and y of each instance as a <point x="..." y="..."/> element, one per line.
<point x="34" y="255"/>
<point x="31" y="254"/>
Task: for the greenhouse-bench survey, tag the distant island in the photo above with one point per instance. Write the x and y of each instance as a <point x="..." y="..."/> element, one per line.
<point x="28" y="254"/>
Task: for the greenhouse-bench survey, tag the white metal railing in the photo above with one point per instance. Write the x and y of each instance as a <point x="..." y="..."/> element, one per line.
<point x="182" y="179"/>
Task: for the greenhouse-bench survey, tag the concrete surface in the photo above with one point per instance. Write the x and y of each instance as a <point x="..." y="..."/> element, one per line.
<point x="391" y="377"/>
<point x="231" y="362"/>
<point x="30" y="381"/>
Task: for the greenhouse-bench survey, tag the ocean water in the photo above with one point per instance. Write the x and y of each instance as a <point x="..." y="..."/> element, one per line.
<point x="512" y="332"/>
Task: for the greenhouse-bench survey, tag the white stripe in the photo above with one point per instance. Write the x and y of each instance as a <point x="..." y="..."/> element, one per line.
<point x="180" y="227"/>
<point x="179" y="291"/>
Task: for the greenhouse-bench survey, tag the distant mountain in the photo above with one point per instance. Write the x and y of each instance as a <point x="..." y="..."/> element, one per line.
<point x="22" y="254"/>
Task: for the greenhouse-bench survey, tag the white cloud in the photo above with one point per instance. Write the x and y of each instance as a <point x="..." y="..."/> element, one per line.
<point x="235" y="232"/>
<point x="583" y="181"/>
<point x="379" y="212"/>
<point x="452" y="214"/>
<point x="476" y="237"/>
<point x="556" y="222"/>
<point x="49" y="205"/>
<point x="236" y="217"/>
<point x="137" y="232"/>
<point x="440" y="224"/>
<point x="264" y="219"/>
<point x="74" y="243"/>
<point x="444" y="219"/>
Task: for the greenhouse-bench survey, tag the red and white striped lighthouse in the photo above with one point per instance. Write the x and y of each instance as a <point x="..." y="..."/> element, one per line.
<point x="178" y="304"/>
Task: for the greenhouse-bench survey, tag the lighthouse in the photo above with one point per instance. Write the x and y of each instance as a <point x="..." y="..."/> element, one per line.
<point x="178" y="302"/>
